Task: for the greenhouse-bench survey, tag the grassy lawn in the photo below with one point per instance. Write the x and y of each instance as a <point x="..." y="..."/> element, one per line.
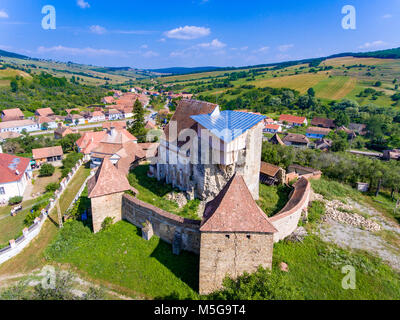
<point x="153" y="192"/>
<point x="41" y="182"/>
<point x="121" y="257"/>
<point x="315" y="272"/>
<point x="11" y="227"/>
<point x="73" y="188"/>
<point x="273" y="198"/>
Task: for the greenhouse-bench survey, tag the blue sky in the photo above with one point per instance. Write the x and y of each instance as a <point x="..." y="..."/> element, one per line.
<point x="187" y="33"/>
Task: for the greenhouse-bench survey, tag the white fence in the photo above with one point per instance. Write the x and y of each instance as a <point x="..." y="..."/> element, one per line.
<point x="16" y="246"/>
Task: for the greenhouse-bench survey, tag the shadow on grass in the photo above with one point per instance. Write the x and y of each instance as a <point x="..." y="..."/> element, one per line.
<point x="139" y="175"/>
<point x="185" y="267"/>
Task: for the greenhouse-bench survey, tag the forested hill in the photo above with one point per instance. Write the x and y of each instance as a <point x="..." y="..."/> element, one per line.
<point x="12" y="55"/>
<point x="45" y="90"/>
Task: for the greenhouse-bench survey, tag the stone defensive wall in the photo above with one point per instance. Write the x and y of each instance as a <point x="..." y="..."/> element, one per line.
<point x="287" y="220"/>
<point x="178" y="231"/>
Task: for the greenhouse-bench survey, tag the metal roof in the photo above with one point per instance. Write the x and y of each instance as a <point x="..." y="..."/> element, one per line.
<point x="228" y="125"/>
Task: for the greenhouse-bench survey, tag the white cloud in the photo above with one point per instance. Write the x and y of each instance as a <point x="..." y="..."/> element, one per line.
<point x="387" y="16"/>
<point x="262" y="50"/>
<point x="374" y="44"/>
<point x="3" y="14"/>
<point x="144" y="46"/>
<point x="285" y="47"/>
<point x="215" y="44"/>
<point x="83" y="4"/>
<point x="78" y="51"/>
<point x="150" y="54"/>
<point x="188" y="33"/>
<point x="98" y="29"/>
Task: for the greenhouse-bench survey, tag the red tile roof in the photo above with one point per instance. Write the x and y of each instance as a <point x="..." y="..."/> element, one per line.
<point x="12" y="114"/>
<point x="234" y="210"/>
<point x="47" y="152"/>
<point x="323" y="122"/>
<point x="89" y="141"/>
<point x="107" y="180"/>
<point x="185" y="109"/>
<point x="12" y="168"/>
<point x="298" y="138"/>
<point x="269" y="169"/>
<point x="116" y="124"/>
<point x="272" y="126"/>
<point x="318" y="130"/>
<point x="292" y="119"/>
<point x="44" y="112"/>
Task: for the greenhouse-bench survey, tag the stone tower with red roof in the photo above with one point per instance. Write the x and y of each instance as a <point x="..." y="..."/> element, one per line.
<point x="105" y="190"/>
<point x="236" y="236"/>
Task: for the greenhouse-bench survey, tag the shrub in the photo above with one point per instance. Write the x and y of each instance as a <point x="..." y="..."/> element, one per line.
<point x="107" y="223"/>
<point x="52" y="187"/>
<point x="47" y="170"/>
<point x="69" y="162"/>
<point x="15" y="200"/>
<point x="316" y="210"/>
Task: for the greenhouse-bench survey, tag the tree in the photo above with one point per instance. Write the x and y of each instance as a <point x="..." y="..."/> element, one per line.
<point x="138" y="126"/>
<point x="378" y="84"/>
<point x="342" y="119"/>
<point x="311" y="92"/>
<point x="68" y="142"/>
<point x="46" y="170"/>
<point x="14" y="85"/>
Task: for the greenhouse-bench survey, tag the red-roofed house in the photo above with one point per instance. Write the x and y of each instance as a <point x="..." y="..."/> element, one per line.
<point x="273" y="128"/>
<point x="293" y="120"/>
<point x="15" y="173"/>
<point x="88" y="141"/>
<point x="52" y="155"/>
<point x="12" y="115"/>
<point x="44" y="112"/>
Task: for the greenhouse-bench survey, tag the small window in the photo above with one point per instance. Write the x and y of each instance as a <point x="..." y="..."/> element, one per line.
<point x="2" y="191"/>
<point x="248" y="236"/>
<point x="227" y="236"/>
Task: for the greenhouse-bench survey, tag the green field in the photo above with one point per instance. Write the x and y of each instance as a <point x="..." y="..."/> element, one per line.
<point x="120" y="256"/>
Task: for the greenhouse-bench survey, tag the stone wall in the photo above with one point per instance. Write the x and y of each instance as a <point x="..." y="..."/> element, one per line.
<point x="106" y="206"/>
<point x="164" y="225"/>
<point x="231" y="254"/>
<point x="287" y="220"/>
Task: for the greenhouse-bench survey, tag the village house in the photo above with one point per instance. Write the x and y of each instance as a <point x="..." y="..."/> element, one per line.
<point x="114" y="114"/>
<point x="63" y="131"/>
<point x="150" y="125"/>
<point x="296" y="171"/>
<point x="119" y="125"/>
<point x="296" y="140"/>
<point x="51" y="155"/>
<point x="293" y="120"/>
<point x="273" y="128"/>
<point x="45" y="123"/>
<point x="75" y="119"/>
<point x="44" y="112"/>
<point x="358" y="128"/>
<point x="276" y="139"/>
<point x="227" y="142"/>
<point x="391" y="154"/>
<point x="8" y="135"/>
<point x="323" y="144"/>
<point x="350" y="133"/>
<point x="272" y="175"/>
<point x="323" y="123"/>
<point x="19" y="126"/>
<point x="88" y="141"/>
<point x="15" y="174"/>
<point x="115" y="145"/>
<point x="317" y="132"/>
<point x="12" y="115"/>
<point x="108" y="100"/>
<point x="97" y="116"/>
